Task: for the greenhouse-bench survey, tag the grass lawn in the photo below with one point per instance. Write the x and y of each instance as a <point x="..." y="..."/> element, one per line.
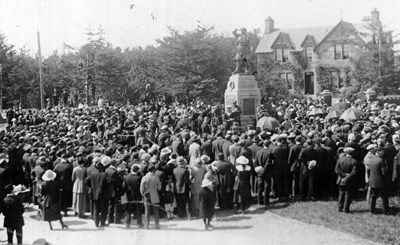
<point x="377" y="227"/>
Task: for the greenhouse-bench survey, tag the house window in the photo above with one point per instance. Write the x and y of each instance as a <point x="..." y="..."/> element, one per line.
<point x="334" y="79"/>
<point x="279" y="54"/>
<point x="282" y="54"/>
<point x="285" y="54"/>
<point x="346" y="51"/>
<point x="288" y="78"/>
<point x="338" y="51"/>
<point x="309" y="53"/>
<point x="341" y="79"/>
<point x="342" y="51"/>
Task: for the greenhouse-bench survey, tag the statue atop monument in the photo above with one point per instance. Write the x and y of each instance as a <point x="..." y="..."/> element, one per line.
<point x="242" y="57"/>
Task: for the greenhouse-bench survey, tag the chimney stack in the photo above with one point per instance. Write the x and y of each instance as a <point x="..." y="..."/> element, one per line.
<point x="375" y="22"/>
<point x="269" y="25"/>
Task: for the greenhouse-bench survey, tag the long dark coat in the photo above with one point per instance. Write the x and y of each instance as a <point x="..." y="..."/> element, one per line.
<point x="64" y="177"/>
<point x="242" y="185"/>
<point x="207" y="203"/>
<point x="51" y="202"/>
<point x="12" y="211"/>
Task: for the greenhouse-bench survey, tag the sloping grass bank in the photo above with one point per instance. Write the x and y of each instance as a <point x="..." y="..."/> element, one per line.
<point x="375" y="227"/>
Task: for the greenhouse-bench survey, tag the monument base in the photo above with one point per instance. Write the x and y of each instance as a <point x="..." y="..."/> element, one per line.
<point x="244" y="90"/>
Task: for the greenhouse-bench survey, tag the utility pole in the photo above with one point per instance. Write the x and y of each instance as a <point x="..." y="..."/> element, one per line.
<point x="42" y="105"/>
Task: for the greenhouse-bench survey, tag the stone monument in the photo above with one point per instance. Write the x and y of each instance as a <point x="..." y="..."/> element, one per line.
<point x="242" y="87"/>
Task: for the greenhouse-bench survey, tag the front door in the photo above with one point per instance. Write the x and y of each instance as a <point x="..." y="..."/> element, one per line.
<point x="309" y="83"/>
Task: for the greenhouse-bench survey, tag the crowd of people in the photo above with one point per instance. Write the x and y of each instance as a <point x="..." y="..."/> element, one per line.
<point x="118" y="161"/>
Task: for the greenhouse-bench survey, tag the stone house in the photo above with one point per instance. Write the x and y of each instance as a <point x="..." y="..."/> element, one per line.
<point x="297" y="56"/>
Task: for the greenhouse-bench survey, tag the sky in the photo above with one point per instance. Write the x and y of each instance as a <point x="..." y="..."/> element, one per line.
<point x="130" y="23"/>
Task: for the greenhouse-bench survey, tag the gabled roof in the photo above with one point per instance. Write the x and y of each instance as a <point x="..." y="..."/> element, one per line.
<point x="346" y="30"/>
<point x="297" y="37"/>
<point x="309" y="38"/>
<point x="283" y="38"/>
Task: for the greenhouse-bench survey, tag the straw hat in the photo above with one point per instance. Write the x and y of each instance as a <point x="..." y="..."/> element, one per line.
<point x="165" y="151"/>
<point x="181" y="160"/>
<point x="49" y="175"/>
<point x="206" y="182"/>
<point x="242" y="160"/>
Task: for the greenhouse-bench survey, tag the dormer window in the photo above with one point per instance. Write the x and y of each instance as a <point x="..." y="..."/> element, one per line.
<point x="309" y="53"/>
<point x="282" y="54"/>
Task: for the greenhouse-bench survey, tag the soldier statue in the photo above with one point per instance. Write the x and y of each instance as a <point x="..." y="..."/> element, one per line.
<point x="242" y="57"/>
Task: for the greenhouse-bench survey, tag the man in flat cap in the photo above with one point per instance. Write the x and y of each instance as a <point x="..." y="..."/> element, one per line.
<point x="378" y="171"/>
<point x="346" y="169"/>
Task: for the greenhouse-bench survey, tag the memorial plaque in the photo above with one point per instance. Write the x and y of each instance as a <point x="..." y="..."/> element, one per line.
<point x="229" y="100"/>
<point x="249" y="106"/>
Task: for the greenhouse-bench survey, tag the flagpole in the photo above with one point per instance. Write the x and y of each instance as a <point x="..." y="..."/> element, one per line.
<point x="40" y="74"/>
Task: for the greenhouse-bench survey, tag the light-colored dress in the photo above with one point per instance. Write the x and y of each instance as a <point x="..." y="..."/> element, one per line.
<point x="79" y="190"/>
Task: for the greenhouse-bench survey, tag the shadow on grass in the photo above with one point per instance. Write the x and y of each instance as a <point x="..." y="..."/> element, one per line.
<point x="234" y="218"/>
<point x="232" y="227"/>
<point x="74" y="222"/>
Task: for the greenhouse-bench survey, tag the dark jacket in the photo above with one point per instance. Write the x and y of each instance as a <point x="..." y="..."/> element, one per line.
<point x="131" y="185"/>
<point x="99" y="185"/>
<point x="377" y="172"/>
<point x="346" y="169"/>
<point x="261" y="160"/>
<point x="217" y="146"/>
<point x="64" y="175"/>
<point x="12" y="211"/>
<point x="306" y="155"/>
<point x="207" y="202"/>
<point x="293" y="159"/>
<point x="114" y="180"/>
<point x="182" y="179"/>
<point x="279" y="159"/>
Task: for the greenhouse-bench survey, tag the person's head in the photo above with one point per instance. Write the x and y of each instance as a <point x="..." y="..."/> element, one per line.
<point x="351" y="137"/>
<point x="348" y="151"/>
<point x="151" y="168"/>
<point x="8" y="189"/>
<point x="135" y="168"/>
<point x="379" y="152"/>
<point x="371" y="148"/>
<point x="266" y="143"/>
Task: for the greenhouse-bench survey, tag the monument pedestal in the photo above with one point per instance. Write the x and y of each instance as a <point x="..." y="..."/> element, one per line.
<point x="244" y="90"/>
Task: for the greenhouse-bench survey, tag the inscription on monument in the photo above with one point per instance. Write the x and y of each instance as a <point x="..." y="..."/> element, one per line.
<point x="249" y="106"/>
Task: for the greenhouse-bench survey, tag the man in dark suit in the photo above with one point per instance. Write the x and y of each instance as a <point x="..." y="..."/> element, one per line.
<point x="64" y="178"/>
<point x="225" y="146"/>
<point x="182" y="183"/>
<point x="115" y="187"/>
<point x="99" y="184"/>
<point x="279" y="159"/>
<point x="294" y="164"/>
<point x="346" y="169"/>
<point x="91" y="170"/>
<point x="235" y="149"/>
<point x="217" y="145"/>
<point x="307" y="158"/>
<point x="378" y="170"/>
<point x="264" y="173"/>
<point x="226" y="177"/>
<point x="177" y="146"/>
<point x="131" y="185"/>
<point x="327" y="170"/>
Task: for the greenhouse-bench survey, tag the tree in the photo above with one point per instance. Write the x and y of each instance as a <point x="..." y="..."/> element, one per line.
<point x="8" y="62"/>
<point x="374" y="66"/>
<point x="195" y="60"/>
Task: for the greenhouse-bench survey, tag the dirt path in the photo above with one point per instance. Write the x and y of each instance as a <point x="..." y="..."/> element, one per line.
<point x="256" y="227"/>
